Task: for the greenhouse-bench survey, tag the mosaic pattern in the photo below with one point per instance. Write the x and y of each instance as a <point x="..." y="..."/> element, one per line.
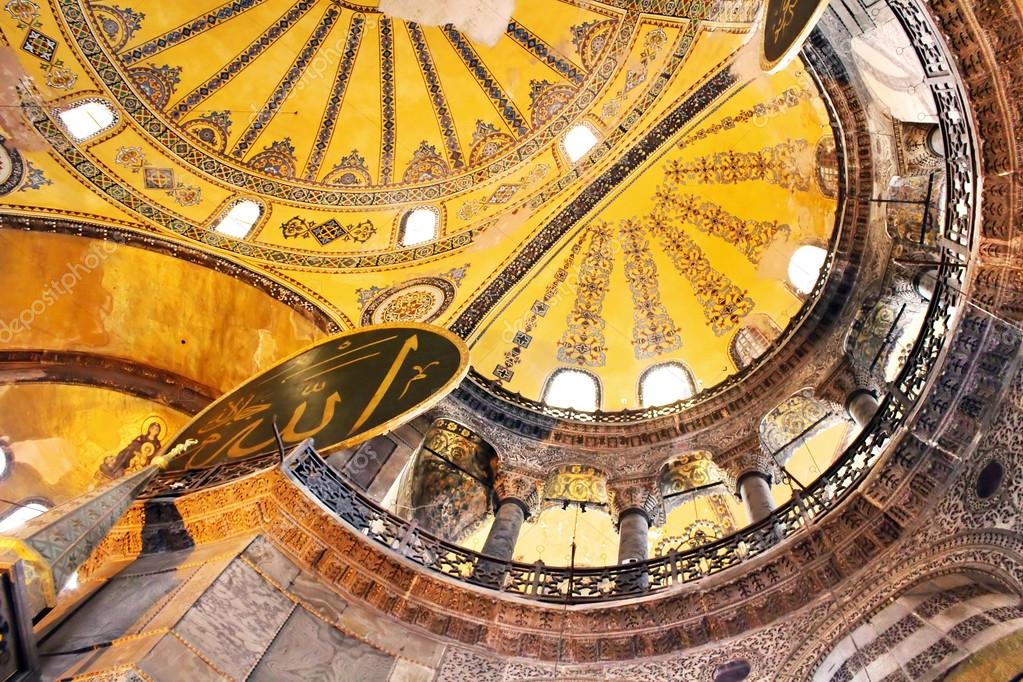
<point x="88" y="32"/>
<point x="654" y="332"/>
<point x="437" y="97"/>
<point x="783" y="429"/>
<point x="637" y="75"/>
<point x="158" y="178"/>
<point x="583" y="341"/>
<point x="544" y="52"/>
<point x="758" y="114"/>
<point x="129" y="24"/>
<point x="570" y="216"/>
<point x="388" y="125"/>
<point x="512" y="357"/>
<point x="329" y="231"/>
<point x="232" y="68"/>
<point x="486" y="80"/>
<point x="418" y="300"/>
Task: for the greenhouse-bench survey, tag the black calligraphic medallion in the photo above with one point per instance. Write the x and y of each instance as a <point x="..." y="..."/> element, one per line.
<point x="340" y="392"/>
<point x="786" y="26"/>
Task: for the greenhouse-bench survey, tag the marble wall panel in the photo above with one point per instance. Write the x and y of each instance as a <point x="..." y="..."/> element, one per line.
<point x="236" y="620"/>
<point x="309" y="649"/>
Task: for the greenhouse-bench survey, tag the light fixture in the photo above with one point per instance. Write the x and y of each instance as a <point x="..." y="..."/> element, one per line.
<point x="87" y="119"/>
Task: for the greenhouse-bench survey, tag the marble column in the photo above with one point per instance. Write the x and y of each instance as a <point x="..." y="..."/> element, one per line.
<point x="755" y="490"/>
<point x="508" y="519"/>
<point x="633" y="532"/>
<point x="861" y="406"/>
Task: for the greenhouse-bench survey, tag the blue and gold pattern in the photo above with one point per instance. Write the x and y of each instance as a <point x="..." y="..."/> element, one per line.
<point x="583" y="341"/>
<point x="654" y="332"/>
<point x="388" y="123"/>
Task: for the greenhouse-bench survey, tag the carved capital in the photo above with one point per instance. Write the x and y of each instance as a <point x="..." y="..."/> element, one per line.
<point x="637" y="493"/>
<point x="521" y="486"/>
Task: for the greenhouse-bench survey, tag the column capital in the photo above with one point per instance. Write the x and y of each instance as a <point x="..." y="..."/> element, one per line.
<point x="640" y="494"/>
<point x="753" y="461"/>
<point x="523" y="487"/>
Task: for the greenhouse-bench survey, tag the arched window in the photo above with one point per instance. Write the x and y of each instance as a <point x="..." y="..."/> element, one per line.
<point x="665" y="384"/>
<point x="6" y="458"/>
<point x="748" y="344"/>
<point x="418" y="226"/>
<point x="572" y="388"/>
<point x="578" y="141"/>
<point x="805" y="267"/>
<point x="23" y="513"/>
<point x="88" y="118"/>
<point x="239" y="219"/>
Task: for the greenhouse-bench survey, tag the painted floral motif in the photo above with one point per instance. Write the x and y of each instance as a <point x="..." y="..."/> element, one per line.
<point x="25" y="12"/>
<point x="653" y="332"/>
<point x="350" y="170"/>
<point x="426" y="164"/>
<point x="34" y="178"/>
<point x="724" y="304"/>
<point x="757" y="115"/>
<point x="787" y="164"/>
<point x="547" y="100"/>
<point x="277" y="158"/>
<point x="328" y="231"/>
<point x="487" y="142"/>
<point x="118" y="24"/>
<point x="583" y="341"/>
<point x="212" y="129"/>
<point x="750" y="237"/>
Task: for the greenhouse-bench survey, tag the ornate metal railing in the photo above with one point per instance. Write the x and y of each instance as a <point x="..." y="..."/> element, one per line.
<point x="565" y="584"/>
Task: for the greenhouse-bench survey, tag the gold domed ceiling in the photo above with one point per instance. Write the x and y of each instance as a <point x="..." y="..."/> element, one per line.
<point x="670" y="237"/>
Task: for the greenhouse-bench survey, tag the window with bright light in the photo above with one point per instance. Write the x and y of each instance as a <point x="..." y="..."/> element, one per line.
<point x="805" y="267"/>
<point x="748" y="344"/>
<point x="665" y="384"/>
<point x="22" y="515"/>
<point x="239" y="219"/>
<point x="418" y="227"/>
<point x="87" y="119"/>
<point x="574" y="389"/>
<point x="6" y="457"/>
<point x="579" y="141"/>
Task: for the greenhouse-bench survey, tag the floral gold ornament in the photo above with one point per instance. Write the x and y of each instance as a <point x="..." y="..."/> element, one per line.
<point x="342" y="391"/>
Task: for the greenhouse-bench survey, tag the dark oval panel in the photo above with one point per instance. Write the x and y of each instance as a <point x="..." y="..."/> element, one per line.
<point x="733" y="671"/>
<point x="989" y="480"/>
<point x="340" y="392"/>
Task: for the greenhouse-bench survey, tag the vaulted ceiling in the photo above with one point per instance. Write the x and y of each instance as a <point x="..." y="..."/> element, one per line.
<point x="673" y="233"/>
